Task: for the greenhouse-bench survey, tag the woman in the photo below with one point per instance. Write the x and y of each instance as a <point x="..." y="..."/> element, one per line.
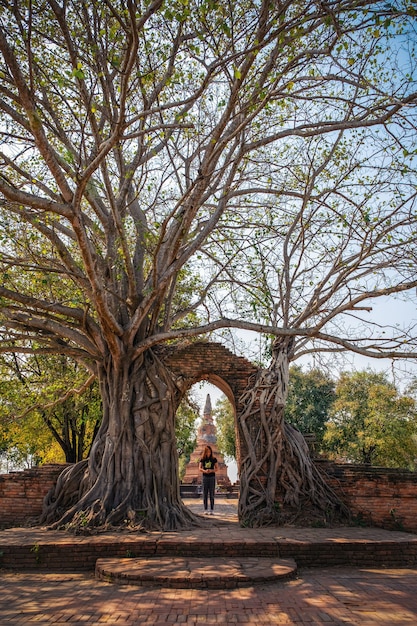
<point x="208" y="467"/>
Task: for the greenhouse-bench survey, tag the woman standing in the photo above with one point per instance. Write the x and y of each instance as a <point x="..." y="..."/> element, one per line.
<point x="208" y="467"/>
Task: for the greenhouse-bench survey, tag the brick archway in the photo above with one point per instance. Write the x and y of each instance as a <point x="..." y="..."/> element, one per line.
<point x="217" y="365"/>
<point x="214" y="363"/>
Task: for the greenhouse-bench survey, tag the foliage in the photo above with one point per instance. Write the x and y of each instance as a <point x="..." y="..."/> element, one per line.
<point x="157" y="157"/>
<point x="185" y="431"/>
<point x="224" y="415"/>
<point x="371" y="423"/>
<point x="310" y="397"/>
<point x="49" y="409"/>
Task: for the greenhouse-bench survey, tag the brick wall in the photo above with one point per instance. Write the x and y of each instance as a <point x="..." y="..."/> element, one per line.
<point x="379" y="496"/>
<point x="22" y="493"/>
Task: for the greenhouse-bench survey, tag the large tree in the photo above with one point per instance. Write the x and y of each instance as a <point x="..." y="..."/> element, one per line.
<point x="328" y="236"/>
<point x="145" y="146"/>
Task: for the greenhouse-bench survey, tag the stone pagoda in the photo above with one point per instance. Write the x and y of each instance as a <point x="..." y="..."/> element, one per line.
<point x="206" y="436"/>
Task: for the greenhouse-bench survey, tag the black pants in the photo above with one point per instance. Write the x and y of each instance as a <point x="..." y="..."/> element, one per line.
<point x="209" y="483"/>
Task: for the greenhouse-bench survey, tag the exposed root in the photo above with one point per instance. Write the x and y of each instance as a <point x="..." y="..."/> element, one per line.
<point x="95" y="519"/>
<point x="130" y="480"/>
<point x="65" y="508"/>
<point x="278" y="477"/>
<point x="65" y="494"/>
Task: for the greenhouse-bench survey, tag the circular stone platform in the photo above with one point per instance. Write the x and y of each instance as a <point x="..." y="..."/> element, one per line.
<point x="194" y="572"/>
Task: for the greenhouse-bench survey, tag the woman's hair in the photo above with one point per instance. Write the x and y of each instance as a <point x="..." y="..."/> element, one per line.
<point x="208" y="452"/>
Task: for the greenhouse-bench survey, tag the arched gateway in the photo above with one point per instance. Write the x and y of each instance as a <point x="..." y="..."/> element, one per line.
<point x="216" y="364"/>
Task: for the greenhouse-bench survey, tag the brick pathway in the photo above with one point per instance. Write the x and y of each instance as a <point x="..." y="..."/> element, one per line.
<point x="336" y="596"/>
<point x="224" y="509"/>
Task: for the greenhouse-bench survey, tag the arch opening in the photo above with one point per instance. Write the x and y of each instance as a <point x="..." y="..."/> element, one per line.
<point x="215" y="425"/>
<point x="212" y="363"/>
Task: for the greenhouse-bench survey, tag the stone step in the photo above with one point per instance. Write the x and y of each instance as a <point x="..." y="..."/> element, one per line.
<point x="41" y="550"/>
<point x="195" y="572"/>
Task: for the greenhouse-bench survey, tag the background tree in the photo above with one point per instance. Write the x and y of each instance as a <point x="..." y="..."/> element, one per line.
<point x="24" y="442"/>
<point x="371" y="423"/>
<point x="310" y="397"/>
<point x="159" y="161"/>
<point x="47" y="399"/>
<point x="185" y="430"/>
<point x="28" y="443"/>
<point x="225" y="428"/>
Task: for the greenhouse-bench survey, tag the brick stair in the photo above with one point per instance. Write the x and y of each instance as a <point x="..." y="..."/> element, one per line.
<point x="43" y="550"/>
<point x="195" y="572"/>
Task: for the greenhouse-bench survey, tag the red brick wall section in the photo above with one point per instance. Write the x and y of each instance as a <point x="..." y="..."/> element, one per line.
<point x="376" y="496"/>
<point x="22" y="494"/>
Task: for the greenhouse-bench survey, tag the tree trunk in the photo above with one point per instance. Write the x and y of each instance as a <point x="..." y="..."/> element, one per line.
<point x="277" y="475"/>
<point x="131" y="476"/>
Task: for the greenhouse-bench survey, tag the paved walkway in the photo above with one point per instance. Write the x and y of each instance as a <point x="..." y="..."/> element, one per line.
<point x="328" y="596"/>
<point x="224" y="510"/>
<point x="337" y="596"/>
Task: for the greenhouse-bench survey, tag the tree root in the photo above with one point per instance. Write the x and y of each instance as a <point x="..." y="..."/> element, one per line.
<point x="65" y="494"/>
<point x="66" y="509"/>
<point x="279" y="481"/>
<point x="130" y="480"/>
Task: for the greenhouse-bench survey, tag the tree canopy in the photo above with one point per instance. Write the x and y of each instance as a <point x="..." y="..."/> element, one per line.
<point x="143" y="143"/>
<point x="169" y="169"/>
<point x="371" y="422"/>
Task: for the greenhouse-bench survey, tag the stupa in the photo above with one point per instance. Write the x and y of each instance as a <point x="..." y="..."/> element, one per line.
<point x="206" y="436"/>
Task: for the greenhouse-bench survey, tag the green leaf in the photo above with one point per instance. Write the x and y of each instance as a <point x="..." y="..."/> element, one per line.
<point x="78" y="73"/>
